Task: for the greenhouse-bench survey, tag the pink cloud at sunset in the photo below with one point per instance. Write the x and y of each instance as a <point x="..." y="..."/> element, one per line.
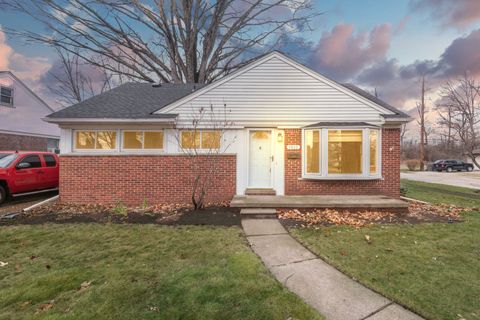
<point x="450" y="13"/>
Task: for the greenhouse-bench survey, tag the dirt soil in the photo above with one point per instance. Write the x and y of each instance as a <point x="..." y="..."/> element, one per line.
<point x="219" y="215"/>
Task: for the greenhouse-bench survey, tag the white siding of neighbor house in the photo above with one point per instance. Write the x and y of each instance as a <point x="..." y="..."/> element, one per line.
<point x="27" y="112"/>
<point x="278" y="93"/>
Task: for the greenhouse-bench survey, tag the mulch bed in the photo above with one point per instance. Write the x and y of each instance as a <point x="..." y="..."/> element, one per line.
<point x="172" y="214"/>
<point x="417" y="213"/>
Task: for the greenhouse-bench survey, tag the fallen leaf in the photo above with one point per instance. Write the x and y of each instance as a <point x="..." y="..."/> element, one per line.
<point x="45" y="306"/>
<point x="84" y="286"/>
<point x="3" y="264"/>
<point x="367" y="238"/>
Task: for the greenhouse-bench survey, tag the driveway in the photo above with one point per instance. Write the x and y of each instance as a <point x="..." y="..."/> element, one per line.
<point x="459" y="179"/>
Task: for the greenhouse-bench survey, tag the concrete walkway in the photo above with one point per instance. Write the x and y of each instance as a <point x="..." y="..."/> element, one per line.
<point x="329" y="291"/>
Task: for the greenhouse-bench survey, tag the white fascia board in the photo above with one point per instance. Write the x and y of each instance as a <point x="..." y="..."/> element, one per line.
<point x="287" y="60"/>
<point x="107" y="120"/>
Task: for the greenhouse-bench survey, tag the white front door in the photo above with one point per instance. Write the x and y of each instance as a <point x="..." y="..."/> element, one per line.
<point x="260" y="159"/>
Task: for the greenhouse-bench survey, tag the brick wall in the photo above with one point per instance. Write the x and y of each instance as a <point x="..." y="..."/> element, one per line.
<point x="133" y="179"/>
<point x="20" y="142"/>
<point x="389" y="185"/>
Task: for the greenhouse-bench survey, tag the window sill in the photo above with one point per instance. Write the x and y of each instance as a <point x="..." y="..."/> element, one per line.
<point x="351" y="178"/>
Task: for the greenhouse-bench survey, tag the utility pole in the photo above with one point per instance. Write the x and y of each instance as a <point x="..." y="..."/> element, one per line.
<point x="421" y="112"/>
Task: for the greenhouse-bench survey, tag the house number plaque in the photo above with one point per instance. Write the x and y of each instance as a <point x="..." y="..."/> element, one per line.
<point x="293" y="147"/>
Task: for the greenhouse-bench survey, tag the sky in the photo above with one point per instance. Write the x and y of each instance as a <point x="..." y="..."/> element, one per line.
<point x="377" y="44"/>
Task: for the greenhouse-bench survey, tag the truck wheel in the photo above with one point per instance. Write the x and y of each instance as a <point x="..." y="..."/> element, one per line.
<point x="449" y="169"/>
<point x="470" y="169"/>
<point x="3" y="194"/>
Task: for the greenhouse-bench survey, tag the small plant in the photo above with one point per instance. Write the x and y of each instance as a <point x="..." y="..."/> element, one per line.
<point x="120" y="209"/>
<point x="403" y="191"/>
<point x="413" y="164"/>
<point x="144" y="204"/>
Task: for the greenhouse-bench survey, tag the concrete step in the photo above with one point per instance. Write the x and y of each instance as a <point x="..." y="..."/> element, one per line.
<point x="260" y="192"/>
<point x="258" y="213"/>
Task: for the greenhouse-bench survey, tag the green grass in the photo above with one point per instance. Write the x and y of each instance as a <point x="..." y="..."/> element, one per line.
<point x="440" y="193"/>
<point x="432" y="268"/>
<point x="138" y="272"/>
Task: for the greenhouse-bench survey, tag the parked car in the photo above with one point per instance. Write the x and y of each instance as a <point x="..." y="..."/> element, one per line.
<point x="452" y="165"/>
<point x="26" y="172"/>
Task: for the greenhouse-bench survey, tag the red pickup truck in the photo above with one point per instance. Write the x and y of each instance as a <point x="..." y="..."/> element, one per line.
<point x="27" y="172"/>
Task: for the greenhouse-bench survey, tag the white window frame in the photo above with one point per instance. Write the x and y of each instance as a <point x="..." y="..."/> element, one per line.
<point x="324" y="175"/>
<point x="9" y="105"/>
<point x="142" y="150"/>
<point x="117" y="141"/>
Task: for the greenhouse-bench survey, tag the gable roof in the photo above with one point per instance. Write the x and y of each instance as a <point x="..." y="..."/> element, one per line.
<point x="28" y="89"/>
<point x="371" y="97"/>
<point x="128" y="101"/>
<point x="385" y="109"/>
<point x="147" y="101"/>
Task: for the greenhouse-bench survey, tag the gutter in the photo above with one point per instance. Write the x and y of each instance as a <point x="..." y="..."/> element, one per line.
<point x="108" y="120"/>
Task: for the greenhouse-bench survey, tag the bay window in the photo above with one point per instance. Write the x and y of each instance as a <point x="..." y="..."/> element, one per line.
<point x="341" y="153"/>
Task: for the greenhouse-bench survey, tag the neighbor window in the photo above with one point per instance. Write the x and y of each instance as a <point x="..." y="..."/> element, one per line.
<point x="341" y="153"/>
<point x="202" y="139"/>
<point x="101" y="140"/>
<point x="345" y="151"/>
<point x="6" y="96"/>
<point x="142" y="140"/>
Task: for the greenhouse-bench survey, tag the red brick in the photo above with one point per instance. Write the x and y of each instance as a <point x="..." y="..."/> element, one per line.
<point x="133" y="179"/>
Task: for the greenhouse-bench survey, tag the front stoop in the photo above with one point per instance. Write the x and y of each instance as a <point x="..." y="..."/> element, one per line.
<point x="260" y="192"/>
<point x="258" y="213"/>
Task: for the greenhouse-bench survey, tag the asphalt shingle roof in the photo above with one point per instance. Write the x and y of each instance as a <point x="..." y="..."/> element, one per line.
<point x="129" y="101"/>
<point x="371" y="97"/>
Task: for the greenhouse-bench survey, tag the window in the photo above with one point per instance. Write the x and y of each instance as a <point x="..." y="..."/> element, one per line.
<point x="344" y="151"/>
<point x="142" y="140"/>
<point x="49" y="160"/>
<point x="332" y="153"/>
<point x="312" y="146"/>
<point x="33" y="161"/>
<point x="6" y="96"/>
<point x="373" y="151"/>
<point x="201" y="139"/>
<point x="93" y="140"/>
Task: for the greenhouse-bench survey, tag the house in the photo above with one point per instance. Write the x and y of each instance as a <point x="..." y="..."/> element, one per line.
<point x="21" y="113"/>
<point x="293" y="132"/>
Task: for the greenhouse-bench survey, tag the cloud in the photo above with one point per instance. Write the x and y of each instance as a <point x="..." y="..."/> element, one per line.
<point x="450" y="13"/>
<point x="462" y="55"/>
<point x="28" y="69"/>
<point x="5" y="51"/>
<point x="342" y="53"/>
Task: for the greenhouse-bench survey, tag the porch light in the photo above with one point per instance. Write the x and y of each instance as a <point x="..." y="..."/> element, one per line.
<point x="280" y="137"/>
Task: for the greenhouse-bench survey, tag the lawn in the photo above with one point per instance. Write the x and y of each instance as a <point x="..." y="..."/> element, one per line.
<point x="433" y="269"/>
<point x="112" y="271"/>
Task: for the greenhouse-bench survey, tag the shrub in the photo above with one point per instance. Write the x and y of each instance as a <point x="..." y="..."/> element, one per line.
<point x="403" y="191"/>
<point x="413" y="164"/>
<point x="120" y="209"/>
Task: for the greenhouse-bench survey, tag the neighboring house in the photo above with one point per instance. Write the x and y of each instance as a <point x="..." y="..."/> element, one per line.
<point x="294" y="132"/>
<point x="21" y="113"/>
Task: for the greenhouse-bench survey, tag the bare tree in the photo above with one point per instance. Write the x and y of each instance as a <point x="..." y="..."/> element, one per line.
<point x="460" y="105"/>
<point x="403" y="131"/>
<point x="73" y="81"/>
<point x="194" y="41"/>
<point x="204" y="140"/>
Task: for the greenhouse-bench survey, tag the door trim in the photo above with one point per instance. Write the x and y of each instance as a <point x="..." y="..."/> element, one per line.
<point x="272" y="152"/>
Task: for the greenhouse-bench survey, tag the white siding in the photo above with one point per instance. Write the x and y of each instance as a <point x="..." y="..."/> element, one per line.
<point x="27" y="113"/>
<point x="279" y="94"/>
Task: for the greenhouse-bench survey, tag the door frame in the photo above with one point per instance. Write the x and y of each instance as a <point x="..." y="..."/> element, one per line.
<point x="272" y="153"/>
